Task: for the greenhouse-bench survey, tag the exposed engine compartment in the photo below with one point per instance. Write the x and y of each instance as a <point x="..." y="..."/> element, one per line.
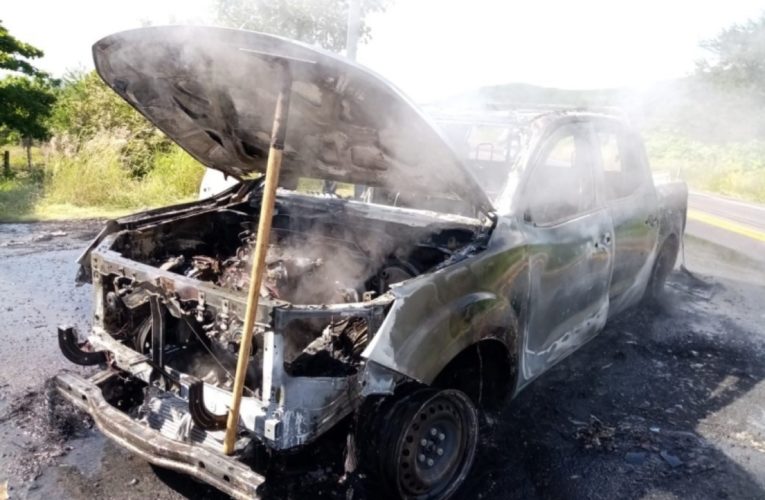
<point x="321" y="253"/>
<point x="314" y="257"/>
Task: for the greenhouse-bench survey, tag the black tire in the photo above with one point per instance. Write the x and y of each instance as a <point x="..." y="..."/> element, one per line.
<point x="426" y="443"/>
<point x="665" y="262"/>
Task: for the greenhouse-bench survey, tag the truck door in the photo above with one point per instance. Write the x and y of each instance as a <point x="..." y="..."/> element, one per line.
<point x="570" y="243"/>
<point x="631" y="200"/>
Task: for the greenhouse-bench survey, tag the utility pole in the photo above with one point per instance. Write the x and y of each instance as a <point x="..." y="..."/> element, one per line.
<point x="351" y="44"/>
<point x="354" y="26"/>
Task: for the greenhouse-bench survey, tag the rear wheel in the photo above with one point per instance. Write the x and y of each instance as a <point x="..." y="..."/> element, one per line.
<point x="427" y="443"/>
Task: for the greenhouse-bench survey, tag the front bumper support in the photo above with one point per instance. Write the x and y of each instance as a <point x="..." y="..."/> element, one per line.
<point x="225" y="473"/>
<point x="67" y="342"/>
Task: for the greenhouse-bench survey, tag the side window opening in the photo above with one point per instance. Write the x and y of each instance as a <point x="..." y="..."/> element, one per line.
<point x="489" y="150"/>
<point x="622" y="170"/>
<point x="561" y="184"/>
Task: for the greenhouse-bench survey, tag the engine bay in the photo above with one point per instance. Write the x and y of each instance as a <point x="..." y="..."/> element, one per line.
<point x="313" y="258"/>
<point x="321" y="254"/>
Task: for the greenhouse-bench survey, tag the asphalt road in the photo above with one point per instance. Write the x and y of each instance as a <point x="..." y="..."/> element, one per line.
<point x="665" y="403"/>
<point x="733" y="224"/>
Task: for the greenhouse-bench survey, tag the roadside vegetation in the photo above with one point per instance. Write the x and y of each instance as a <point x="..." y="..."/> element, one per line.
<point x="88" y="171"/>
<point x="735" y="169"/>
<point x="710" y="128"/>
<point x="88" y="154"/>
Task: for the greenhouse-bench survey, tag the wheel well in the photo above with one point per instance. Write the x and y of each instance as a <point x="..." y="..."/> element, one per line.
<point x="484" y="371"/>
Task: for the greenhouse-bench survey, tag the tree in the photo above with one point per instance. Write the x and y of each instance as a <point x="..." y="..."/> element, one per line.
<point x="86" y="105"/>
<point x="25" y="105"/>
<point x="730" y="85"/>
<point x="311" y="21"/>
<point x="26" y="98"/>
<point x="737" y="58"/>
<point x="13" y="54"/>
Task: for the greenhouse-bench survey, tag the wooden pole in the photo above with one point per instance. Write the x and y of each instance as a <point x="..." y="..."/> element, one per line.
<point x="6" y="164"/>
<point x="273" y="166"/>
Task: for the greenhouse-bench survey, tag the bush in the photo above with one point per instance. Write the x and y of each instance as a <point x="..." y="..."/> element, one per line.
<point x="17" y="197"/>
<point x="105" y="157"/>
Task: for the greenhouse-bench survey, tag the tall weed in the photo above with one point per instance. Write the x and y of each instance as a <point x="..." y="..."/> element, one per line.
<point x="93" y="175"/>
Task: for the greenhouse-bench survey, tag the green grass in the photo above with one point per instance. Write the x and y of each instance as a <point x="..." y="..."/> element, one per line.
<point x="18" y="197"/>
<point x="52" y="212"/>
<point x="314" y="186"/>
<point x="734" y="169"/>
<point x="92" y="181"/>
<point x="95" y="177"/>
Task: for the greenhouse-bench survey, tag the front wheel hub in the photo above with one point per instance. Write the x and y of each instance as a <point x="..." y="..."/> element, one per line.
<point x="437" y="434"/>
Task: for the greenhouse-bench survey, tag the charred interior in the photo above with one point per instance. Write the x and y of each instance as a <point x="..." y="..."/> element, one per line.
<point x="320" y="253"/>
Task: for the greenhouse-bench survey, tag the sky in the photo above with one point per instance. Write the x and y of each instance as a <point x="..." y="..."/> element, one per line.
<point x="436" y="48"/>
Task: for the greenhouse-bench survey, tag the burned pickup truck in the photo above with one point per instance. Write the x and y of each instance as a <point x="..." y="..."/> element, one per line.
<point x="431" y="283"/>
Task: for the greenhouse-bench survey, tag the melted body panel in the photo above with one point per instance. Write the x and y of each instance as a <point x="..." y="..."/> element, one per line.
<point x="544" y="290"/>
<point x="434" y="317"/>
<point x="569" y="268"/>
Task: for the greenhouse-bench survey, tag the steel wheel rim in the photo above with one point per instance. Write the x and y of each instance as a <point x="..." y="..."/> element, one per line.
<point x="437" y="446"/>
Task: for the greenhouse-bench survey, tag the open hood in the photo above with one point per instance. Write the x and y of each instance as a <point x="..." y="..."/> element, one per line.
<point x="213" y="91"/>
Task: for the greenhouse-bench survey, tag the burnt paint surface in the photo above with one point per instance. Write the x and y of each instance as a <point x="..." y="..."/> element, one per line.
<point x="435" y="316"/>
<point x="543" y="291"/>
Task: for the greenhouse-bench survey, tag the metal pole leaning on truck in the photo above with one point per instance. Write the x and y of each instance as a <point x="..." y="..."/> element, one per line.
<point x="273" y="167"/>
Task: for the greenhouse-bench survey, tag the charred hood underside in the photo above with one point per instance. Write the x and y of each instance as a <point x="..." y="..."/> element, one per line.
<point x="213" y="91"/>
